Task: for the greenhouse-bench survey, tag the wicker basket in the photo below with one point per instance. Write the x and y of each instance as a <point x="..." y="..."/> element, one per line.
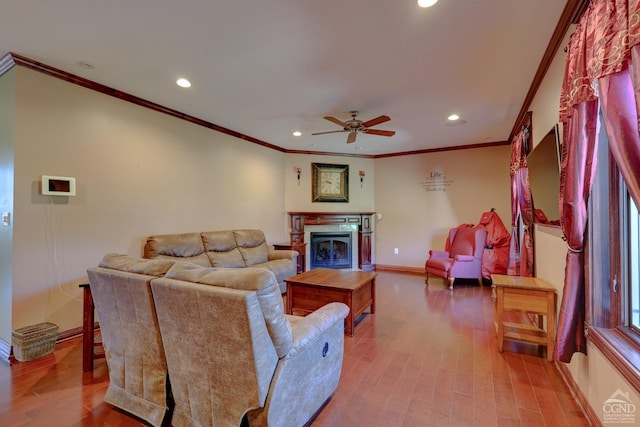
<point x="34" y="341"/>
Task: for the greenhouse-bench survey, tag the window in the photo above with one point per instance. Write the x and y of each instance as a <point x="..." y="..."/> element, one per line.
<point x="613" y="259"/>
<point x="632" y="224"/>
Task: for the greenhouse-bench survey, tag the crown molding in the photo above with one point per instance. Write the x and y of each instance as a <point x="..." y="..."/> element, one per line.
<point x="572" y="10"/>
<point x="86" y="83"/>
<point x="6" y="63"/>
<point x="11" y="59"/>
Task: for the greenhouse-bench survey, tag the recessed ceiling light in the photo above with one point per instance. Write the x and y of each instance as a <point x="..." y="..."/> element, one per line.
<point x="297" y="133"/>
<point x="86" y="64"/>
<point x="427" y="3"/>
<point x="183" y="83"/>
<point x="453" y="117"/>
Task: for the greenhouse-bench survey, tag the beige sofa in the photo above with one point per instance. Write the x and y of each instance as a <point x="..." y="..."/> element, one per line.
<point x="227" y="248"/>
<point x="222" y="337"/>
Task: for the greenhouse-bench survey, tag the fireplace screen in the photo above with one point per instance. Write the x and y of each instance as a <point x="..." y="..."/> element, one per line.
<point x="330" y="250"/>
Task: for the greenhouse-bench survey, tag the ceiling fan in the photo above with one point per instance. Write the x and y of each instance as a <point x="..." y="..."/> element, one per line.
<point x="355" y="126"/>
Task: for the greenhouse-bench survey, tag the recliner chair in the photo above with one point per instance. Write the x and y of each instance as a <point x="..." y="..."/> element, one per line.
<point x="233" y="353"/>
<point x="138" y="377"/>
<point x="462" y="257"/>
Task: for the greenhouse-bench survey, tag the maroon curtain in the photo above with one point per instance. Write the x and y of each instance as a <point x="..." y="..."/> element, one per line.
<point x="578" y="166"/>
<point x="619" y="95"/>
<point x="599" y="48"/>
<point x="520" y="250"/>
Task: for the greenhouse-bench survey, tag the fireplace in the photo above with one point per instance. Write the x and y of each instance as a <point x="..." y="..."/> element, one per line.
<point x="358" y="225"/>
<point x="330" y="250"/>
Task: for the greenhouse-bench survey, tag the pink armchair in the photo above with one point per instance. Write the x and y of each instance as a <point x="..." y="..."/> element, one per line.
<point x="462" y="258"/>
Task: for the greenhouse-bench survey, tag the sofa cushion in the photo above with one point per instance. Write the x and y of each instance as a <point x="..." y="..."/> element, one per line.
<point x="252" y="245"/>
<point x="262" y="281"/>
<point x="221" y="249"/>
<point x="150" y="267"/>
<point x="184" y="246"/>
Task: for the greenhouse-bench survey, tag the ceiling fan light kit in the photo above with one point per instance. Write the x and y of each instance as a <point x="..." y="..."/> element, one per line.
<point x="355" y="126"/>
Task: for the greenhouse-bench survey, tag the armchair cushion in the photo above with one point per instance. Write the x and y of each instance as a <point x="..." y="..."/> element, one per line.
<point x="464" y="258"/>
<point x="464" y="242"/>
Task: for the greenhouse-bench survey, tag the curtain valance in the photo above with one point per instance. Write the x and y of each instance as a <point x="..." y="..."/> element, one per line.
<point x="599" y="47"/>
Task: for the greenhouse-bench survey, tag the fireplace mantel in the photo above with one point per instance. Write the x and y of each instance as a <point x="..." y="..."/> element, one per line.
<point x="362" y="219"/>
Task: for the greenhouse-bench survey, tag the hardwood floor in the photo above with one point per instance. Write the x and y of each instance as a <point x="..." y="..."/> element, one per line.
<point x="428" y="357"/>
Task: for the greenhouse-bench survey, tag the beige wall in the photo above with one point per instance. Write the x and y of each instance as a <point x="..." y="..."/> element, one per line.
<point x="594" y="375"/>
<point x="298" y="195"/>
<point x="138" y="173"/>
<point x="422" y="196"/>
<point x="7" y="109"/>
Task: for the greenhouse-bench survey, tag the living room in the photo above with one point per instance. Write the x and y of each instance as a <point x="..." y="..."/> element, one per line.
<point x="140" y="172"/>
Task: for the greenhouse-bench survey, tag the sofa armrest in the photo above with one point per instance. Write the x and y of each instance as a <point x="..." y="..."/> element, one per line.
<point x="465" y="258"/>
<point x="307" y="330"/>
<point x="282" y="254"/>
<point x="308" y="375"/>
<point x="438" y="254"/>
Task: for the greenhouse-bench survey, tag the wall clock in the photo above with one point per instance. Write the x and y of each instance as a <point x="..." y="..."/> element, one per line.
<point x="330" y="183"/>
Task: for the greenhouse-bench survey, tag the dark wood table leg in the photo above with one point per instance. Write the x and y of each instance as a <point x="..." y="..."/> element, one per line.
<point x="350" y="320"/>
<point x="373" y="295"/>
<point x="87" y="329"/>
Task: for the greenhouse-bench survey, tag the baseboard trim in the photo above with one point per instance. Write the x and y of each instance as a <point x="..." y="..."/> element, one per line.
<point x="71" y="333"/>
<point x="587" y="410"/>
<point x="400" y="269"/>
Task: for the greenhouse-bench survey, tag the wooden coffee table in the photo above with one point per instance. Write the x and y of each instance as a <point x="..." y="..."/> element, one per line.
<point x="311" y="290"/>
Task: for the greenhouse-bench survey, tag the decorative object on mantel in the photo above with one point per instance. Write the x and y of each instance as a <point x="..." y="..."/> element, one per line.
<point x="361" y="178"/>
<point x="298" y="171"/>
<point x="330" y="183"/>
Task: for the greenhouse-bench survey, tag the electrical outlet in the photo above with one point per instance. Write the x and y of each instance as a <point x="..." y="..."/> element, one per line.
<point x="396" y="251"/>
<point x="6" y="218"/>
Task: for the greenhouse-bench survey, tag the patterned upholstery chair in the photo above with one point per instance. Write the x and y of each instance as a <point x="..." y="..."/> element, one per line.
<point x="462" y="257"/>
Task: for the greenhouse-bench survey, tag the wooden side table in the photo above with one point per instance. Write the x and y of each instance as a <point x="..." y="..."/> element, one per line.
<point x="89" y="343"/>
<point x="302" y="252"/>
<point x="530" y="295"/>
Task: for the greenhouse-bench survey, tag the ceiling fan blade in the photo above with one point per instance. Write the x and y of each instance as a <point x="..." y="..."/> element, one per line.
<point x="376" y="121"/>
<point x="336" y="121"/>
<point x="380" y="132"/>
<point x="331" y="131"/>
<point x="352" y="137"/>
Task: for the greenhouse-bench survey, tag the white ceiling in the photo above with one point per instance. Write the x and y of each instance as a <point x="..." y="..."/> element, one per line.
<point x="267" y="68"/>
